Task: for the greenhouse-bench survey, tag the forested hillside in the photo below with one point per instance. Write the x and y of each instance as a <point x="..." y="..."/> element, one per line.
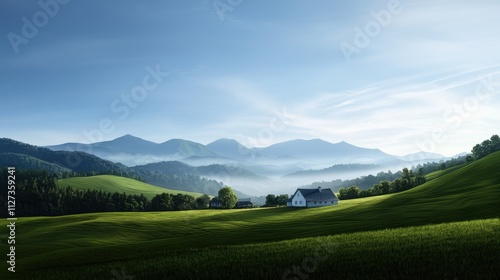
<point x="72" y="164"/>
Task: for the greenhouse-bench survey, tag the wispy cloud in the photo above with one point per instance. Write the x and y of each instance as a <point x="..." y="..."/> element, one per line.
<point x="405" y="111"/>
<point x="244" y="92"/>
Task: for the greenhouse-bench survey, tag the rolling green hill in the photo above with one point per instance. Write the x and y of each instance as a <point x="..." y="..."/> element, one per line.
<point x="110" y="183"/>
<point x="433" y="175"/>
<point x="469" y="250"/>
<point x="447" y="228"/>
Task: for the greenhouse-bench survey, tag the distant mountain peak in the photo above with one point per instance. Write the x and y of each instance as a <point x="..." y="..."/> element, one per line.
<point x="128" y="137"/>
<point x="178" y="140"/>
<point x="231" y="148"/>
<point x="224" y="141"/>
<point x="125" y="141"/>
<point x="308" y="141"/>
<point x="318" y="150"/>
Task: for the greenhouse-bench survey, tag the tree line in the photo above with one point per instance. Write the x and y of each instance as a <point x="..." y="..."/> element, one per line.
<point x="276" y="200"/>
<point x="408" y="180"/>
<point x="186" y="182"/>
<point x="72" y="174"/>
<point x="442" y="165"/>
<point x="363" y="182"/>
<point x="37" y="193"/>
<point x="479" y="151"/>
<point x="487" y="147"/>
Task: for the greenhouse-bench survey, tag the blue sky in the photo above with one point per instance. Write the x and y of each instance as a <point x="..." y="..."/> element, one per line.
<point x="402" y="76"/>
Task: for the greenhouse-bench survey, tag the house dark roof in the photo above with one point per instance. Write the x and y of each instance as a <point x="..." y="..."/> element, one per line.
<point x="244" y="203"/>
<point x="318" y="194"/>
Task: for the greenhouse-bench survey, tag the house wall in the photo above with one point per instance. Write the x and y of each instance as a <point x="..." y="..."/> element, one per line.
<point x="311" y="204"/>
<point x="298" y="200"/>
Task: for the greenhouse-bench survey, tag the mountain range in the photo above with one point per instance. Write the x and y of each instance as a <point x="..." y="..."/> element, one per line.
<point x="131" y="150"/>
<point x="191" y="166"/>
<point x="280" y="166"/>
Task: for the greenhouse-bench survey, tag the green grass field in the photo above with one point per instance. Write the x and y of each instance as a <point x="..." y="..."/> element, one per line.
<point x="436" y="174"/>
<point x="445" y="229"/>
<point x="110" y="183"/>
<point x="469" y="250"/>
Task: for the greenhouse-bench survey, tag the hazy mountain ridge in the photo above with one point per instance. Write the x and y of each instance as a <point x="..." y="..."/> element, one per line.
<point x="129" y="149"/>
<point x="75" y="161"/>
<point x="277" y="168"/>
<point x="232" y="149"/>
<point x="207" y="170"/>
<point x="222" y="151"/>
<point x="334" y="171"/>
<point x="318" y="150"/>
<point x="167" y="167"/>
<point x="26" y="156"/>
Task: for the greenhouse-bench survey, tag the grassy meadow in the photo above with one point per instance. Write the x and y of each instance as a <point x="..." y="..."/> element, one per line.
<point x="448" y="228"/>
<point x="110" y="183"/>
<point x="459" y="250"/>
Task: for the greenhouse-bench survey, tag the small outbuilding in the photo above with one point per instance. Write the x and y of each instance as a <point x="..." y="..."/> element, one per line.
<point x="215" y="203"/>
<point x="244" y="203"/>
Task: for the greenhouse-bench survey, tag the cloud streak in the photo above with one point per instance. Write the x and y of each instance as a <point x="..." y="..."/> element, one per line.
<point x="402" y="111"/>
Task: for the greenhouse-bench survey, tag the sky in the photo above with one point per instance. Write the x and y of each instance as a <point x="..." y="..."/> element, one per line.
<point x="401" y="76"/>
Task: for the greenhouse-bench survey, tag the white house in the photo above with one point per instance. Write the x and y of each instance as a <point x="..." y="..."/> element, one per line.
<point x="313" y="198"/>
